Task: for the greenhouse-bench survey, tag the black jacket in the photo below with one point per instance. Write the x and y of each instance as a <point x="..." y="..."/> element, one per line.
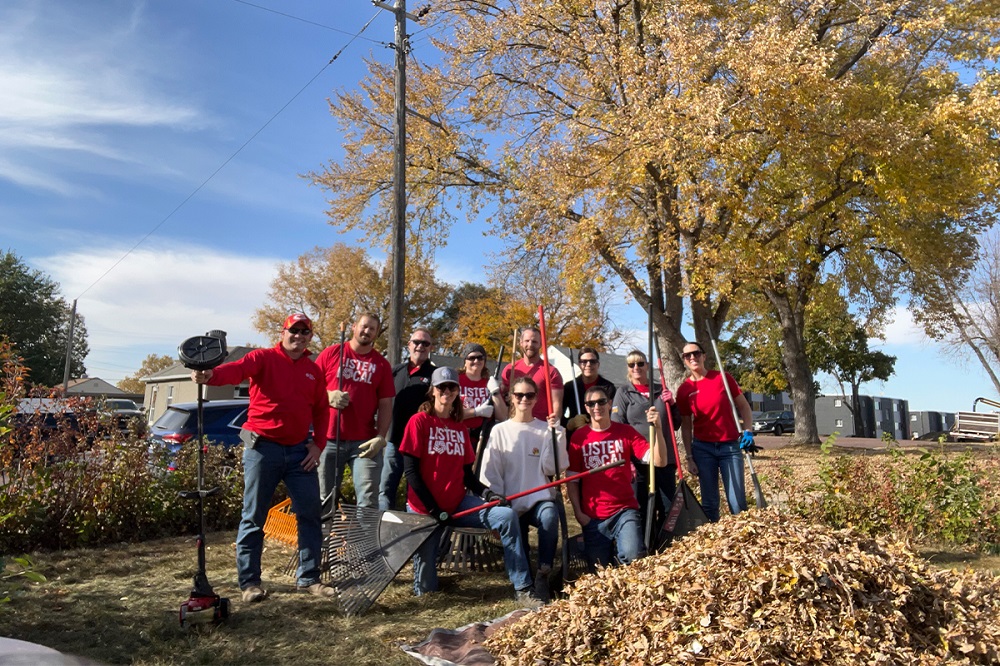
<point x="411" y="391"/>
<point x="576" y="386"/>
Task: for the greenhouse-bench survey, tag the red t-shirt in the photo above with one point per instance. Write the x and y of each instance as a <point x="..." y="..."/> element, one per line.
<point x="367" y="379"/>
<point x="708" y="406"/>
<point x="444" y="449"/>
<point x="473" y="393"/>
<point x="604" y="494"/>
<point x="537" y="373"/>
<point x="286" y="396"/>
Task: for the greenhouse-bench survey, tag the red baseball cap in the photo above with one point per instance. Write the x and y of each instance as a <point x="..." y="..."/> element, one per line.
<point x="300" y="319"/>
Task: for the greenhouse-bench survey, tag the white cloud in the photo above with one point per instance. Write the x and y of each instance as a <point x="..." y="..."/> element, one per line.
<point x="903" y="331"/>
<point x="155" y="299"/>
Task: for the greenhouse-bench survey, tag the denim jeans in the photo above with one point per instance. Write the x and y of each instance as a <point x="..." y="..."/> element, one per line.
<point x="545" y="516"/>
<point x="264" y="466"/>
<point x="711" y="459"/>
<point x="499" y="518"/>
<point x="366" y="472"/>
<point x="392" y="474"/>
<point x="622" y="530"/>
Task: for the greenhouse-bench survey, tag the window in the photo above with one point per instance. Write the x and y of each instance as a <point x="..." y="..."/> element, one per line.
<point x="878" y="404"/>
<point x="241" y="392"/>
<point x="839" y="423"/>
<point x="170" y="395"/>
<point x="838" y="403"/>
<point x="913" y="418"/>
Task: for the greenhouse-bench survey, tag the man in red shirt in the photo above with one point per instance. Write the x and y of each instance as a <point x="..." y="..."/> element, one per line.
<point x="361" y="407"/>
<point x="604" y="503"/>
<point x="287" y="395"/>
<point x="531" y="365"/>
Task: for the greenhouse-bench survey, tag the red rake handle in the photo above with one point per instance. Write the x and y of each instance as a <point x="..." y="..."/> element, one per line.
<point x="550" y="484"/>
<point x="670" y="422"/>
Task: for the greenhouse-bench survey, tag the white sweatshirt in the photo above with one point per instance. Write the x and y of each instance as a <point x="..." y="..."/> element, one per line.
<point x="519" y="457"/>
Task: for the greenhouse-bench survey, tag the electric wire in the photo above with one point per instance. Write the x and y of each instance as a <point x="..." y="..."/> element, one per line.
<point x="229" y="159"/>
<point x="299" y="18"/>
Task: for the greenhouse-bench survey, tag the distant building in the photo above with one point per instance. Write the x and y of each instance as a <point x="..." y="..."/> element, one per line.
<point x="173" y="384"/>
<point x="95" y="387"/>
<point x="923" y="423"/>
<point x="760" y="403"/>
<point x="877" y="415"/>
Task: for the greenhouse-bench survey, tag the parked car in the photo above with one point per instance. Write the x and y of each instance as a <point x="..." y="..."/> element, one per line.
<point x="777" y="423"/>
<point x="125" y="415"/>
<point x="179" y="425"/>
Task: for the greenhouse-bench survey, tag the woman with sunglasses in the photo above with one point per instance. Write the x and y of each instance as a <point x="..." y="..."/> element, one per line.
<point x="630" y="406"/>
<point x="710" y="433"/>
<point x="604" y="503"/>
<point x="480" y="393"/>
<point x="519" y="457"/>
<point x="437" y="461"/>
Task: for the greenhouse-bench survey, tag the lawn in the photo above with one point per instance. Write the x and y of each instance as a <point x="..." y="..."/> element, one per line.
<point x="120" y="604"/>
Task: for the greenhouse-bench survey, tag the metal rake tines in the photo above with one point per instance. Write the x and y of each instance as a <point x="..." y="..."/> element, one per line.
<point x="365" y="548"/>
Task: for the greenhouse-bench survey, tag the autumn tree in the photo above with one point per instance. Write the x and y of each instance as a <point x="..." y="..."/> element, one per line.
<point x="151" y="364"/>
<point x="336" y="284"/>
<point x="706" y="149"/>
<point x="35" y="319"/>
<point x="961" y="307"/>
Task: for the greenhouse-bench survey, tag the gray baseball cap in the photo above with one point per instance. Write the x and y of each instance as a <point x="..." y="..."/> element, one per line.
<point x="444" y="375"/>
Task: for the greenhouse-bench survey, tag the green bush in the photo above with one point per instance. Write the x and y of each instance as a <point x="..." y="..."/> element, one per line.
<point x="935" y="496"/>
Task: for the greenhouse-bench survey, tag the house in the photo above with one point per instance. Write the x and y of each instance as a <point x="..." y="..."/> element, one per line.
<point x="173" y="384"/>
<point x="94" y="387"/>
<point x="877" y="415"/>
<point x="925" y="423"/>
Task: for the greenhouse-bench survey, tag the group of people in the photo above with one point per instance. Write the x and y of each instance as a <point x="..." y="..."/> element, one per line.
<point x="466" y="442"/>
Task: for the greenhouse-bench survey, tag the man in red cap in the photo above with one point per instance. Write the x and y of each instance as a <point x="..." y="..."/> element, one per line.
<point x="287" y="395"/>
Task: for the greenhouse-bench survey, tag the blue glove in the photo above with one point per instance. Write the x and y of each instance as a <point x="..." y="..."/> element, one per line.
<point x="747" y="444"/>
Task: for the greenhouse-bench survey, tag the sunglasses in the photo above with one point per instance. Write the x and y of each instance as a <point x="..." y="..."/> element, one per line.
<point x="524" y="396"/>
<point x="447" y="387"/>
<point x="475" y="358"/>
<point x="637" y="364"/>
<point x="589" y="361"/>
<point x="600" y="402"/>
<point x="694" y="354"/>
<point x="299" y="331"/>
<point x="420" y="343"/>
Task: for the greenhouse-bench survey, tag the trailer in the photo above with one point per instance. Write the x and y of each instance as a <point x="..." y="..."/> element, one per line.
<point x="978" y="426"/>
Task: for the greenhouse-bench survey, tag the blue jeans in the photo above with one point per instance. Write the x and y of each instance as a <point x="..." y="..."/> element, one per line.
<point x="366" y="472"/>
<point x="264" y="466"/>
<point x="545" y="516"/>
<point x="392" y="474"/>
<point x="711" y="459"/>
<point x="499" y="518"/>
<point x="622" y="530"/>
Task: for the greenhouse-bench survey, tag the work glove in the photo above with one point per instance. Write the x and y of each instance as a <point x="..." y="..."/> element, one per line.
<point x="493" y="386"/>
<point x="667" y="396"/>
<point x="490" y="496"/>
<point x="577" y="421"/>
<point x="372" y="447"/>
<point x="747" y="444"/>
<point x="339" y="399"/>
<point x="484" y="410"/>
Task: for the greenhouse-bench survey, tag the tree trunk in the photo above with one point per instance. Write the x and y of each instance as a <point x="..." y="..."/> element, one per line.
<point x="793" y="357"/>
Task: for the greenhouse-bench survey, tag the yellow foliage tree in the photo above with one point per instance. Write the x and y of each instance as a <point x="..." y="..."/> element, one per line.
<point x="700" y="148"/>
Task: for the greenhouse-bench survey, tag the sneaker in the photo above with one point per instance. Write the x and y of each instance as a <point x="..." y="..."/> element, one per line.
<point x="542" y="586"/>
<point x="253" y="594"/>
<point x="527" y="599"/>
<point x="318" y="590"/>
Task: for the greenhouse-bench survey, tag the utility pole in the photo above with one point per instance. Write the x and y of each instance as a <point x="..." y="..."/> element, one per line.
<point x="69" y="350"/>
<point x="396" y="293"/>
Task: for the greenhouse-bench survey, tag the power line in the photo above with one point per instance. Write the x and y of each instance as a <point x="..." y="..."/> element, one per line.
<point x="229" y="159"/>
<point x="298" y="18"/>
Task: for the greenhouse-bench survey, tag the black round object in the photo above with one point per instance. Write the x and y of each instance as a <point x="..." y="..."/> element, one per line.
<point x="203" y="352"/>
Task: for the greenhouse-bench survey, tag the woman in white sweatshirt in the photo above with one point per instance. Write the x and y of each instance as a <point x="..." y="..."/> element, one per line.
<point x="519" y="457"/>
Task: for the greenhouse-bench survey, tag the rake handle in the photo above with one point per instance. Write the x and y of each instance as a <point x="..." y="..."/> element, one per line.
<point x="550" y="484"/>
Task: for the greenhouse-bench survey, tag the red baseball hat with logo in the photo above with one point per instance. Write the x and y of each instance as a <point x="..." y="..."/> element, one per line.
<point x="298" y="319"/>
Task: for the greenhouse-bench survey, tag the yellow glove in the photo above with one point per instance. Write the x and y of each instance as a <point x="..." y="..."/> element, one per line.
<point x="372" y="447"/>
<point x="339" y="399"/>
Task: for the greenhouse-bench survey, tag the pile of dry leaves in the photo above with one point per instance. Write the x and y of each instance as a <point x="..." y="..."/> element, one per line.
<point x="765" y="588"/>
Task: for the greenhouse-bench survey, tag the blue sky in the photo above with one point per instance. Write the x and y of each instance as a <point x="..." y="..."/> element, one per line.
<point x="116" y="112"/>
